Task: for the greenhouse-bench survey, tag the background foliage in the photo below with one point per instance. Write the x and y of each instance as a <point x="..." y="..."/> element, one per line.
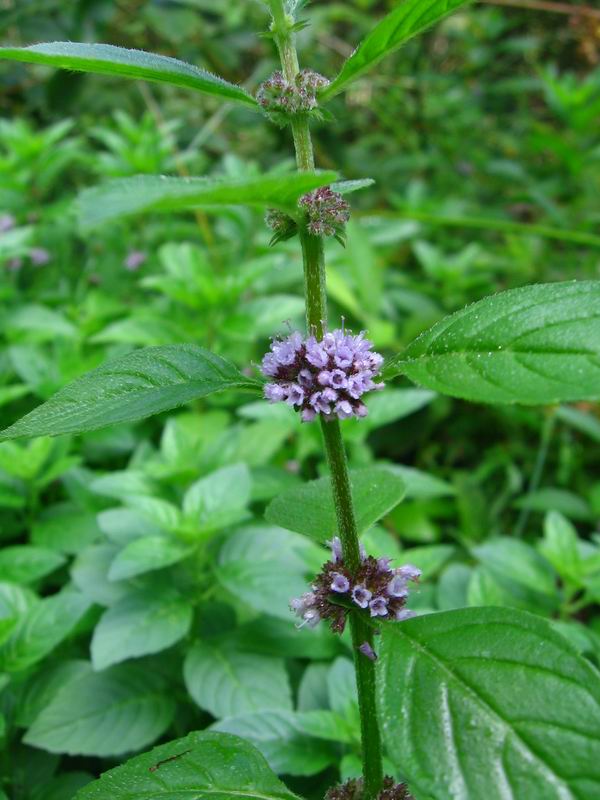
<point x="142" y="592"/>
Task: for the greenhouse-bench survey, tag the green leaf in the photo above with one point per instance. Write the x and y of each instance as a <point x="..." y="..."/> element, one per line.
<point x="219" y="499"/>
<point x="147" y="554"/>
<point x="279" y="738"/>
<point x="45" y="625"/>
<point x="309" y="509"/>
<point x="104" y="713"/>
<point x="538" y="344"/>
<point x="525" y="578"/>
<point x="140" y="193"/>
<point x="560" y="546"/>
<point x="143" y="622"/>
<point x="107" y="59"/>
<point x="25" y="564"/>
<point x="408" y="19"/>
<point x="263" y="567"/>
<point x="511" y="709"/>
<point x="201" y="766"/>
<point x="226" y="681"/>
<point x="130" y="388"/>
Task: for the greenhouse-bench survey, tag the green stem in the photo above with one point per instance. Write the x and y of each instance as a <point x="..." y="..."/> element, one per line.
<point x="316" y="321"/>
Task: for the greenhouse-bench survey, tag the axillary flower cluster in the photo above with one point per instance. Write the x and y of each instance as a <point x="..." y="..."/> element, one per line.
<point x="327" y="377"/>
<point x="353" y="790"/>
<point x="281" y="98"/>
<point x="376" y="589"/>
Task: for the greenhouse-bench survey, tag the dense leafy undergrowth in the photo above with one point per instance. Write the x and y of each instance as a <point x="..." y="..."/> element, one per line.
<point x="143" y="590"/>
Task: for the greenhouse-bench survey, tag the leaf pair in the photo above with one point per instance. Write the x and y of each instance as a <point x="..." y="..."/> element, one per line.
<point x="410" y="18"/>
<point x="535" y="345"/>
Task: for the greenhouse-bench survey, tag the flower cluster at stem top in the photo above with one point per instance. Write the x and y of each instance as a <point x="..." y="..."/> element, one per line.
<point x="281" y="99"/>
<point x="327" y="377"/>
<point x="375" y="588"/>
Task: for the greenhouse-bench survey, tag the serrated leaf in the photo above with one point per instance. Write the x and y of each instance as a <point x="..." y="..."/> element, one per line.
<point x="130" y="388"/>
<point x="202" y="765"/>
<point x="309" y="509"/>
<point x="141" y="623"/>
<point x="537" y="739"/>
<point x="535" y="345"/>
<point x="107" y="59"/>
<point x="408" y="19"/>
<point x="226" y="681"/>
<point x="104" y="713"/>
<point x="140" y="193"/>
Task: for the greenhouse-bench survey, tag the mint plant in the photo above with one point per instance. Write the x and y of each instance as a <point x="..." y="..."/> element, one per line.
<point x="480" y="702"/>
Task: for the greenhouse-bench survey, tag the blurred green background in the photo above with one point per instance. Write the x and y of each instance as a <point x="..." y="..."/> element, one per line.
<point x="483" y="137"/>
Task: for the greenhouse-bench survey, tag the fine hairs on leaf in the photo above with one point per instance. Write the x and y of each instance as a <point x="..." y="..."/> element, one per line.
<point x="107" y="59"/>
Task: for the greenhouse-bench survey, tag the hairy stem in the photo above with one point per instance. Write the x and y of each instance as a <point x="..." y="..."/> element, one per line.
<point x="316" y="321"/>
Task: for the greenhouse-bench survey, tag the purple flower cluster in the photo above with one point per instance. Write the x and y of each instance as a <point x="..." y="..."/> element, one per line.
<point x="353" y="790"/>
<point x="280" y="98"/>
<point x="327" y="377"/>
<point x="376" y="588"/>
<point x="327" y="212"/>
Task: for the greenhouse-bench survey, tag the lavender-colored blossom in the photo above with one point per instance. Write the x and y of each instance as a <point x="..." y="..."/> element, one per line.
<point x="340" y="583"/>
<point x="7" y="223"/>
<point x="372" y="586"/>
<point x="378" y="607"/>
<point x="403" y="614"/>
<point x="14" y="264"/>
<point x="397" y="587"/>
<point x="361" y="595"/>
<point x="39" y="256"/>
<point x="336" y="549"/>
<point x="368" y="651"/>
<point x="274" y="392"/>
<point x="134" y="260"/>
<point x="295" y="395"/>
<point x="310" y="378"/>
<point x="409" y="572"/>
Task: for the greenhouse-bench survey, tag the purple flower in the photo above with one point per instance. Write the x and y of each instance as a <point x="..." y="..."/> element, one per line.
<point x="404" y="613"/>
<point x="368" y="651"/>
<point x="336" y="549"/>
<point x="361" y="595"/>
<point x="274" y="392"/>
<point x="338" y="379"/>
<point x="7" y="222"/>
<point x="134" y="260"/>
<point x="383" y="564"/>
<point x="409" y="572"/>
<point x="340" y="583"/>
<point x="14" y="264"/>
<point x="324" y="377"/>
<point x="343" y="409"/>
<point x="397" y="587"/>
<point x="378" y="607"/>
<point x="295" y="395"/>
<point x="39" y="256"/>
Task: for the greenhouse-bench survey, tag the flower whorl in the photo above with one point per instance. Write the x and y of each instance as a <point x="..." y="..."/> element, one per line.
<point x="327" y="377"/>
